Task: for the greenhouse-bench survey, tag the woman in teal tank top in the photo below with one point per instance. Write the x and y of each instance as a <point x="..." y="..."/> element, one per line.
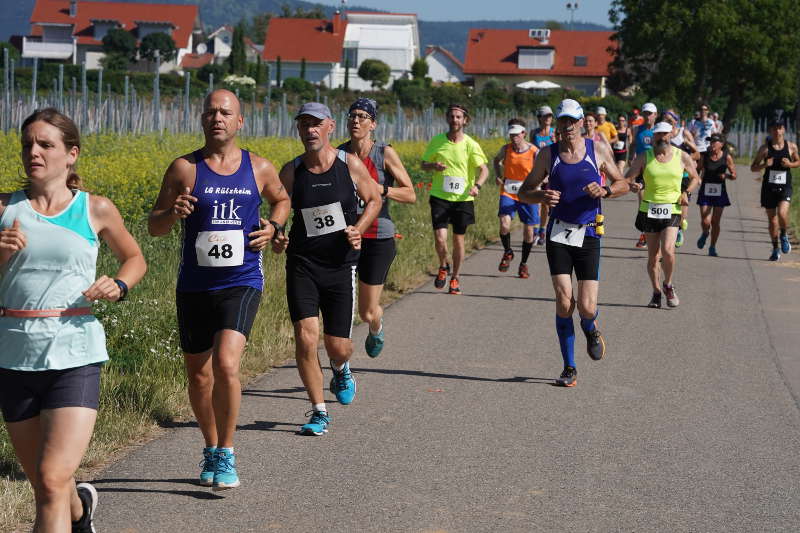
<point x="52" y="344"/>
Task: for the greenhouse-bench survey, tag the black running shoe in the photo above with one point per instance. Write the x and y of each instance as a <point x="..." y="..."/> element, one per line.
<point x="655" y="301"/>
<point x="569" y="377"/>
<point x="88" y="497"/>
<point x="595" y="344"/>
<point x="441" y="276"/>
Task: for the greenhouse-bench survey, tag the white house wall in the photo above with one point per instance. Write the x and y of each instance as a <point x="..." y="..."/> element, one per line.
<point x="443" y="69"/>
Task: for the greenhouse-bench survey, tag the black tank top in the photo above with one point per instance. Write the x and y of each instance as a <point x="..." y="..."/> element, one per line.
<point x="713" y="170"/>
<point x="324" y="204"/>
<point x="776" y="156"/>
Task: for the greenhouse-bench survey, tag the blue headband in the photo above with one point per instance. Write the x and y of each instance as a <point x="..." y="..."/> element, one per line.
<point x="367" y="105"/>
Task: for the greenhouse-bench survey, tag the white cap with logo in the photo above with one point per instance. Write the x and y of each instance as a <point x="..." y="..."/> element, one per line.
<point x="601" y="110"/>
<point x="569" y="108"/>
<point x="649" y="107"/>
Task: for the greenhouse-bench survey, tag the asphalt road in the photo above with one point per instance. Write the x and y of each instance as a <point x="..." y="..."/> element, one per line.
<point x="690" y="424"/>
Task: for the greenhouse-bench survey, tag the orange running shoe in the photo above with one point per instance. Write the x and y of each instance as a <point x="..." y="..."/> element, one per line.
<point x="441" y="277"/>
<point x="505" y="261"/>
<point x="454" y="287"/>
<point x="523" y="271"/>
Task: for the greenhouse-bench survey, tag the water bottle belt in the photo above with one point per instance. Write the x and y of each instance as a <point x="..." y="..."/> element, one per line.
<point x="44" y="313"/>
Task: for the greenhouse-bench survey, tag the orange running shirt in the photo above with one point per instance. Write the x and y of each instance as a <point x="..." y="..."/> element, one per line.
<point x="516" y="167"/>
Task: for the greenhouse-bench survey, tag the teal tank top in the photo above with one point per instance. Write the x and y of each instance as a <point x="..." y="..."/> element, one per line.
<point x="56" y="265"/>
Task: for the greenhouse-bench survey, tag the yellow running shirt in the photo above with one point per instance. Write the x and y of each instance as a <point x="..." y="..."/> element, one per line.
<point x="462" y="159"/>
<point x="662" y="181"/>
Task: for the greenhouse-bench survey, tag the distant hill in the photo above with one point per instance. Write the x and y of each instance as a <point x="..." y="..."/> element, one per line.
<point x="214" y="13"/>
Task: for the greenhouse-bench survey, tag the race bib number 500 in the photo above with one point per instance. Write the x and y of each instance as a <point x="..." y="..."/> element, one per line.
<point x="566" y="233"/>
<point x="454" y="184"/>
<point x="324" y="219"/>
<point x="219" y="248"/>
<point x="659" y="211"/>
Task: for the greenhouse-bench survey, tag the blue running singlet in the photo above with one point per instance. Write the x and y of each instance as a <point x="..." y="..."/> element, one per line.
<point x="644" y="139"/>
<point x="540" y="141"/>
<point x="215" y="252"/>
<point x="575" y="205"/>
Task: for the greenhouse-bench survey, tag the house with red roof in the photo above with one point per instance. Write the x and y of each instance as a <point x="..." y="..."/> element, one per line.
<point x="73" y="30"/>
<point x="569" y="59"/>
<point x="335" y="48"/>
<point x="443" y="66"/>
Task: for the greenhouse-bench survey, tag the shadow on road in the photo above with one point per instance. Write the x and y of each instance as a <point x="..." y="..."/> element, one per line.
<point x="198" y="494"/>
<point x="419" y="373"/>
<point x="531" y="298"/>
<point x="258" y="425"/>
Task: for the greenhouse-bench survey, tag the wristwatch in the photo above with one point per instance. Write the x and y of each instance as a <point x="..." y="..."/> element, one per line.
<point x="278" y="228"/>
<point x="123" y="289"/>
<point x="385" y="190"/>
<point x="608" y="190"/>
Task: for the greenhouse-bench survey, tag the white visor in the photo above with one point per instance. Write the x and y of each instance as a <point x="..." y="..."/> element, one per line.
<point x="514" y="129"/>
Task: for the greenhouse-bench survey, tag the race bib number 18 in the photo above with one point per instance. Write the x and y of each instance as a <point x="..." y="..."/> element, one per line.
<point x="219" y="248"/>
<point x="659" y="211"/>
<point x="324" y="219"/>
<point x="454" y="184"/>
<point x="566" y="233"/>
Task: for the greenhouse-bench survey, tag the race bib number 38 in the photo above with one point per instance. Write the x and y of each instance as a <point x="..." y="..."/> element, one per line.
<point x="566" y="233"/>
<point x="219" y="248"/>
<point x="659" y="211"/>
<point x="777" y="177"/>
<point x="454" y="184"/>
<point x="324" y="219"/>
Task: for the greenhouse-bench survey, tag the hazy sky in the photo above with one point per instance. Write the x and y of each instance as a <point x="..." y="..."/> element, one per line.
<point x="588" y="10"/>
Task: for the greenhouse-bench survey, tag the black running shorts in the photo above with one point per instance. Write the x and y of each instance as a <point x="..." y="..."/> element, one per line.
<point x="771" y="196"/>
<point x="312" y="288"/>
<point x="202" y="314"/>
<point x="459" y="214"/>
<point x="584" y="260"/>
<point x="646" y="224"/>
<point x="24" y="394"/>
<point x="375" y="259"/>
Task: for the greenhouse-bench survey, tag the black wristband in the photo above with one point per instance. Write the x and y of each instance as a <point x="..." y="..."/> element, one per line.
<point x="608" y="190"/>
<point x="278" y="228"/>
<point x="385" y="190"/>
<point x="478" y="185"/>
<point x="123" y="289"/>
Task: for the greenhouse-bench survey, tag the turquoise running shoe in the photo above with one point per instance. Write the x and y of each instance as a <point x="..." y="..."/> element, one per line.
<point x="317" y="424"/>
<point x="702" y="240"/>
<point x="208" y="466"/>
<point x="679" y="239"/>
<point x="374" y="343"/>
<point x="775" y="255"/>
<point x="786" y="246"/>
<point x="225" y="476"/>
<point x="343" y="385"/>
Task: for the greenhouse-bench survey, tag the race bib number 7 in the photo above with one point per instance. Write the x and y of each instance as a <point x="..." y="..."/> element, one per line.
<point x="659" y="211"/>
<point x="324" y="219"/>
<point x="454" y="184"/>
<point x="567" y="233"/>
<point x="219" y="248"/>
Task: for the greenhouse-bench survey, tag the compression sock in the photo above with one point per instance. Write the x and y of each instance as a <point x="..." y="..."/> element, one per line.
<point x="526" y="251"/>
<point x="506" y="240"/>
<point x="588" y="324"/>
<point x="783" y="233"/>
<point x="566" y="339"/>
<point x="774" y="243"/>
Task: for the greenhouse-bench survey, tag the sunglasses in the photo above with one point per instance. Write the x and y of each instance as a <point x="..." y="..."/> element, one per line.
<point x="360" y="117"/>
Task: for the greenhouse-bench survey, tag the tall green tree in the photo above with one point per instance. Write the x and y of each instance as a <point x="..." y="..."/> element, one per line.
<point x="419" y="69"/>
<point x="303" y="68"/>
<point x="120" y="42"/>
<point x="278" y="71"/>
<point x="237" y="61"/>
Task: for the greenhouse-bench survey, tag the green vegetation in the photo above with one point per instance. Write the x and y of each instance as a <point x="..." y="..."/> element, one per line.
<point x="374" y="71"/>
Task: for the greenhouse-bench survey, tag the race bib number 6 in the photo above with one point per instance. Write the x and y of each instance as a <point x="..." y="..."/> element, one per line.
<point x="512" y="186"/>
<point x="659" y="211"/>
<point x="777" y="177"/>
<point x="219" y="248"/>
<point x="324" y="219"/>
<point x="566" y="233"/>
<point x="713" y="189"/>
<point x="454" y="184"/>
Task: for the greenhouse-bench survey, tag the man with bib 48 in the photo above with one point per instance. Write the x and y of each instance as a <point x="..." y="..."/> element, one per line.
<point x="659" y="215"/>
<point x="516" y="159"/>
<point x="215" y="193"/>
<point x="453" y="157"/>
<point x="575" y="228"/>
<point x="321" y="261"/>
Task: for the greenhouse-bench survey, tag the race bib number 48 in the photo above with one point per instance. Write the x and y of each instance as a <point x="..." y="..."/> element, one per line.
<point x="566" y="233"/>
<point x="777" y="177"/>
<point x="454" y="184"/>
<point x="512" y="186"/>
<point x="219" y="248"/>
<point x="324" y="219"/>
<point x="659" y="211"/>
<point x="713" y="189"/>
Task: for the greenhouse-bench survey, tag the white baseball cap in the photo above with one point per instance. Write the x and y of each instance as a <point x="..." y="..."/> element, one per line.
<point x="601" y="110"/>
<point x="515" y="128"/>
<point x="543" y="111"/>
<point x="662" y="127"/>
<point x="569" y="108"/>
<point x="649" y="106"/>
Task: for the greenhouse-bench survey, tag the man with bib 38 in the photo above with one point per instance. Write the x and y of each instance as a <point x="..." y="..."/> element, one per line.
<point x="659" y="215"/>
<point x="216" y="193"/>
<point x="575" y="227"/>
<point x="516" y="159"/>
<point x="454" y="158"/>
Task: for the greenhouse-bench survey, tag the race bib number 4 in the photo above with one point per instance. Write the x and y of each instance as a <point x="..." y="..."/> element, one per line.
<point x="454" y="184"/>
<point x="566" y="233"/>
<point x="219" y="248"/>
<point x="777" y="177"/>
<point x="512" y="186"/>
<point x="659" y="211"/>
<point x="713" y="189"/>
<point x="324" y="219"/>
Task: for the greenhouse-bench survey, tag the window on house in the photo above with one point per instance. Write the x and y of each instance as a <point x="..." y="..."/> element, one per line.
<point x="581" y="61"/>
<point x="535" y="58"/>
<point x="350" y="56"/>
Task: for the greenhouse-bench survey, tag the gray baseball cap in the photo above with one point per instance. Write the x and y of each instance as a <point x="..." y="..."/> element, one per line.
<point x="315" y="109"/>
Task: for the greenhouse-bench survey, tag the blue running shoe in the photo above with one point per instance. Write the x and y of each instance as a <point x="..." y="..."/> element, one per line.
<point x="225" y="476"/>
<point x="702" y="240"/>
<point x="776" y="254"/>
<point x="343" y="385"/>
<point x="712" y="251"/>
<point x="208" y="466"/>
<point x="317" y="424"/>
<point x="374" y="343"/>
<point x="786" y="246"/>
